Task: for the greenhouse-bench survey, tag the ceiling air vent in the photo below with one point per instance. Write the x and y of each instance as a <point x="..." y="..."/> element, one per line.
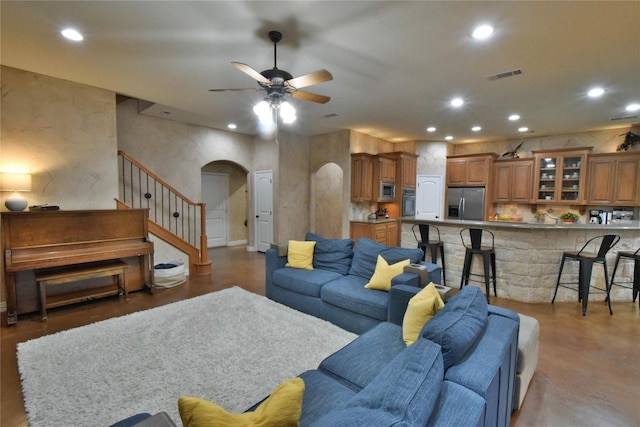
<point x="623" y="118"/>
<point x="330" y="115"/>
<point x="505" y="74"/>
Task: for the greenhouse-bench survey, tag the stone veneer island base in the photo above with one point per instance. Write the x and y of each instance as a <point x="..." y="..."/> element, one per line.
<point x="528" y="255"/>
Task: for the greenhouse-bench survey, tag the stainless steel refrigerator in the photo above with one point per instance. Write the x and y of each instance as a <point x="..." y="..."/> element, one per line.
<point x="465" y="203"/>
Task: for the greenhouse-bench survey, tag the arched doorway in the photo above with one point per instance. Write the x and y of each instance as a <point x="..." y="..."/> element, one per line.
<point x="232" y="206"/>
<point x="326" y="201"/>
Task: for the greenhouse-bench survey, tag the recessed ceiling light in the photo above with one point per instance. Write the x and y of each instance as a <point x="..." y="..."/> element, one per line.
<point x="232" y="126"/>
<point x="476" y="128"/>
<point x="633" y="107"/>
<point x="457" y="102"/>
<point x="514" y="117"/>
<point x="72" y="34"/>
<point x="482" y="32"/>
<point x="448" y="137"/>
<point x="431" y="129"/>
<point x="523" y="129"/>
<point x="595" y="92"/>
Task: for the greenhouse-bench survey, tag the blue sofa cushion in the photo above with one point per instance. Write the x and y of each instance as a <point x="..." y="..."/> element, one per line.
<point x="306" y="282"/>
<point x="366" y="254"/>
<point x="365" y="257"/>
<point x="332" y="254"/>
<point x="459" y="324"/>
<point x="397" y="254"/>
<point x="358" y="363"/>
<point x="349" y="293"/>
<point x="403" y="393"/>
<point x="321" y="395"/>
<point x="448" y="412"/>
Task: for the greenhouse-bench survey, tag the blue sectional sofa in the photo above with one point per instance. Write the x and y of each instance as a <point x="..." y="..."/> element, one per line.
<point x="334" y="290"/>
<point x="460" y="372"/>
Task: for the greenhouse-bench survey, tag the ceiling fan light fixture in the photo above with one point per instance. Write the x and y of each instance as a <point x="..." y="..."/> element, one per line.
<point x="263" y="111"/>
<point x="287" y="113"/>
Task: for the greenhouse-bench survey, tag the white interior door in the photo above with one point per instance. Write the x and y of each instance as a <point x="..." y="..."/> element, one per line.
<point x="215" y="193"/>
<point x="429" y="197"/>
<point x="263" y="198"/>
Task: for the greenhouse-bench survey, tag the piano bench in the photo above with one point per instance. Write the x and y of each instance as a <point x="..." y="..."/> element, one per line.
<point x="76" y="273"/>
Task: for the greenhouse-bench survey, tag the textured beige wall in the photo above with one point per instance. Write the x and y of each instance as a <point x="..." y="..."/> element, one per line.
<point x="71" y="166"/>
<point x="177" y="151"/>
<point x="602" y="141"/>
<point x="291" y="206"/>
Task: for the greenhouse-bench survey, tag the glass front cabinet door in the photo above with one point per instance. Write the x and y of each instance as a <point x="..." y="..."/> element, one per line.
<point x="559" y="176"/>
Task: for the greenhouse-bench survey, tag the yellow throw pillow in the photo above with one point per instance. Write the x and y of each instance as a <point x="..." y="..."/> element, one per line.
<point x="300" y="254"/>
<point x="281" y="409"/>
<point x="422" y="307"/>
<point x="381" y="279"/>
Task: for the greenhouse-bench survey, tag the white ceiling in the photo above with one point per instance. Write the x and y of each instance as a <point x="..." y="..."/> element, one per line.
<point x="395" y="64"/>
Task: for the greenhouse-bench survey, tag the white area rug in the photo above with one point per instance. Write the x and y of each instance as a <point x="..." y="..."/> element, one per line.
<point x="231" y="347"/>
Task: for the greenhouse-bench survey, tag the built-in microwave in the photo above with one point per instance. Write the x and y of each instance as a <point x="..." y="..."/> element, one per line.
<point x="387" y="191"/>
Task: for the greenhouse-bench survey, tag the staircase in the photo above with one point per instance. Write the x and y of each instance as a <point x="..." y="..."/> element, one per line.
<point x="172" y="217"/>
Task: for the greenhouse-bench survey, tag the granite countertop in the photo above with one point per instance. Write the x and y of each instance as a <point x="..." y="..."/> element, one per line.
<point x="378" y="220"/>
<point x="529" y="225"/>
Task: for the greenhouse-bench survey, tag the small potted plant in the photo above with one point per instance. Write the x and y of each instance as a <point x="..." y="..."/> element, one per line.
<point x="539" y="216"/>
<point x="569" y="217"/>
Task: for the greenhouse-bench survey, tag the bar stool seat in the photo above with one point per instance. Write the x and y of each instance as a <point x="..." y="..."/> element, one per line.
<point x="472" y="241"/>
<point x="635" y="282"/>
<point x="586" y="261"/>
<point x="427" y="242"/>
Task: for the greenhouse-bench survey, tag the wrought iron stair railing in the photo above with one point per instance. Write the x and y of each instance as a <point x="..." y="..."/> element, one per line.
<point x="172" y="216"/>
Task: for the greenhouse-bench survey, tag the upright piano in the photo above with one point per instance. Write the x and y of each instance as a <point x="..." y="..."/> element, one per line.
<point x="43" y="239"/>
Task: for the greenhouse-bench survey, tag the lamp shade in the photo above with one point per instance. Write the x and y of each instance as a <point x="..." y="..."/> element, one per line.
<point x="15" y="182"/>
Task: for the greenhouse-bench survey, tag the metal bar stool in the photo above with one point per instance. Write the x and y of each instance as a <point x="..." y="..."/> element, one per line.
<point x="473" y="246"/>
<point x="635" y="283"/>
<point x="586" y="260"/>
<point x="425" y="242"/>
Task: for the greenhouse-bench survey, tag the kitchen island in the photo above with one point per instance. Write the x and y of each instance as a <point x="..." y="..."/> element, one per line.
<point x="528" y="255"/>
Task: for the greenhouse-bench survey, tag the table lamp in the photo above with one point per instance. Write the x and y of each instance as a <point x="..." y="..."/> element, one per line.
<point x="15" y="182"/>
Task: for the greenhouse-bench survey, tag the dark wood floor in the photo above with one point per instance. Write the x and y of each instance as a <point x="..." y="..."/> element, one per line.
<point x="588" y="372"/>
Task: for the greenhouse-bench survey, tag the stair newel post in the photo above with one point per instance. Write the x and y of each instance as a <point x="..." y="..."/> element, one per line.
<point x="204" y="255"/>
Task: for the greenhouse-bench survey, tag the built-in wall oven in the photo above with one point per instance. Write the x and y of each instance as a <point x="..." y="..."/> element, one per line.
<point x="408" y="202"/>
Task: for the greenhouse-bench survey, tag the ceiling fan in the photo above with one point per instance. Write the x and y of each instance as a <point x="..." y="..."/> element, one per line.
<point x="279" y="83"/>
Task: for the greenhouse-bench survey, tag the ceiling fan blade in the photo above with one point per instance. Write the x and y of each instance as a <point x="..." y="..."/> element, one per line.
<point x="251" y="72"/>
<point x="310" y="79"/>
<point x="308" y="96"/>
<point x="246" y="89"/>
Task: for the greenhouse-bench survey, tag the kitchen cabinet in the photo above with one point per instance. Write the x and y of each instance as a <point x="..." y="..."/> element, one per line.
<point x="470" y="170"/>
<point x="613" y="179"/>
<point x="387" y="169"/>
<point x="385" y="232"/>
<point x="407" y="170"/>
<point x="362" y="177"/>
<point x="560" y="175"/>
<point x="513" y="180"/>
